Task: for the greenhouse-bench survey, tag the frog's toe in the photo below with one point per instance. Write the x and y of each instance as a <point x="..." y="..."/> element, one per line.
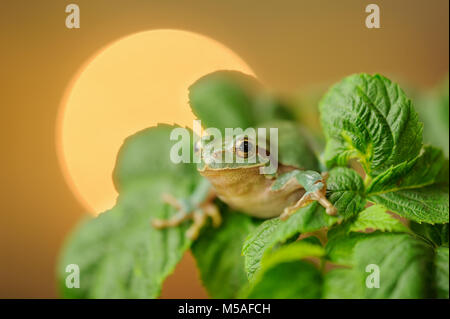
<point x="198" y="213"/>
<point x="332" y="211"/>
<point x="290" y="210"/>
<point x="174" y="221"/>
<point x="200" y="217"/>
<point x="199" y="220"/>
<point x="319" y="195"/>
<point x="212" y="211"/>
<point x="172" y="201"/>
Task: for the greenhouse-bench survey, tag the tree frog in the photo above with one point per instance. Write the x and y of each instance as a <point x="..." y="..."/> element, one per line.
<point x="241" y="184"/>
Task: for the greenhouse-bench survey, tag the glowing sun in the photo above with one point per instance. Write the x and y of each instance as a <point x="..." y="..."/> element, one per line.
<point x="134" y="83"/>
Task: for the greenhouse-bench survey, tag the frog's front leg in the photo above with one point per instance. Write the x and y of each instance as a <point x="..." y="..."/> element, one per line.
<point x="198" y="207"/>
<point x="315" y="186"/>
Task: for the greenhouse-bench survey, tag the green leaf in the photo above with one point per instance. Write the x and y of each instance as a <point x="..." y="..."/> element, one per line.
<point x="428" y="204"/>
<point x="408" y="266"/>
<point x="340" y="244"/>
<point x="233" y="99"/>
<point x="284" y="275"/>
<point x="218" y="254"/>
<point x="342" y="283"/>
<point x="120" y="255"/>
<point x="374" y="218"/>
<point x="291" y="280"/>
<point x="345" y="189"/>
<point x="369" y="118"/>
<point x="223" y="99"/>
<point x="292" y="252"/>
<point x="275" y="231"/>
<point x="436" y="234"/>
<point x="426" y="169"/>
<point x="405" y="265"/>
<point x="295" y="146"/>
<point x="268" y="107"/>
<point x="441" y="273"/>
<point x="416" y="189"/>
<point x="433" y="109"/>
<point x="145" y="156"/>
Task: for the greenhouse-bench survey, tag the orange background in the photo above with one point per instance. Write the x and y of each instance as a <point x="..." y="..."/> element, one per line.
<point x="288" y="44"/>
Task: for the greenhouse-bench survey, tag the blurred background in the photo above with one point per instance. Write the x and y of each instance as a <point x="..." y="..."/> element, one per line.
<point x="295" y="47"/>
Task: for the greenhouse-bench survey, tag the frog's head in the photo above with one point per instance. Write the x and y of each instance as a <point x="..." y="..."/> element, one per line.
<point x="236" y="153"/>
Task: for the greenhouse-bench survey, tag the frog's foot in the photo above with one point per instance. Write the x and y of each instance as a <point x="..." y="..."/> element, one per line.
<point x="198" y="214"/>
<point x="319" y="195"/>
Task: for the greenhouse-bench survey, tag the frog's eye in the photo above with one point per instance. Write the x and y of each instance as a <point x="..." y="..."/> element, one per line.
<point x="244" y="148"/>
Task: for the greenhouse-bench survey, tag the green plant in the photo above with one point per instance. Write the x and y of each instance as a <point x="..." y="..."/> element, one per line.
<point x="394" y="214"/>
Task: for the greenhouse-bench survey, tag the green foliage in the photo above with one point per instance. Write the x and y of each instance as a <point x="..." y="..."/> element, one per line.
<point x="416" y="189"/>
<point x="369" y="118"/>
<point x="345" y="189"/>
<point x="285" y="275"/>
<point x="428" y="204"/>
<point x="364" y="117"/>
<point x="433" y="109"/>
<point x="436" y="234"/>
<point x="374" y="218"/>
<point x="119" y="254"/>
<point x="341" y="242"/>
<point x="405" y="265"/>
<point x="341" y="283"/>
<point x="441" y="272"/>
<point x="233" y="99"/>
<point x="295" y="148"/>
<point x="290" y="280"/>
<point x="275" y="231"/>
<point x="218" y="255"/>
<point x="426" y="169"/>
<point x="145" y="156"/>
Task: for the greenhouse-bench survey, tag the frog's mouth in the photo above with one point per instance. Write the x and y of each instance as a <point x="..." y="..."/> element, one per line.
<point x="214" y="167"/>
<point x="227" y="176"/>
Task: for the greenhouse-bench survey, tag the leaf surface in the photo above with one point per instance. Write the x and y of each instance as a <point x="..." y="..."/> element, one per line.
<point x="120" y="255"/>
<point x="374" y="218"/>
<point x="285" y="275"/>
<point x="370" y="118"/>
<point x="218" y="254"/>
<point x="275" y="231"/>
